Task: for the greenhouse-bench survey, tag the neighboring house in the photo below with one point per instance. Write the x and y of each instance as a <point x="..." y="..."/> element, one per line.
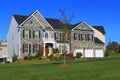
<point x="27" y="33"/>
<point x="3" y="50"/>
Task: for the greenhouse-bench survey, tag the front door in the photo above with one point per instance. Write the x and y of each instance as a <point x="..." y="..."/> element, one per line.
<point x="50" y="47"/>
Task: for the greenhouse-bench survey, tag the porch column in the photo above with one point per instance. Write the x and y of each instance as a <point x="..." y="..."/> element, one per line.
<point x="44" y="49"/>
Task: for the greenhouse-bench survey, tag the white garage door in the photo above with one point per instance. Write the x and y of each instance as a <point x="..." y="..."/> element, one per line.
<point x="89" y="53"/>
<point x="78" y="50"/>
<point x="99" y="53"/>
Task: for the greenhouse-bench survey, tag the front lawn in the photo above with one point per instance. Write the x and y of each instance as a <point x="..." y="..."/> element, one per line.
<point x="76" y="70"/>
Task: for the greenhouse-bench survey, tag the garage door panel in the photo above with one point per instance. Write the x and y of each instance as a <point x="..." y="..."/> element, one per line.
<point x="89" y="53"/>
<point x="99" y="53"/>
<point x="78" y="50"/>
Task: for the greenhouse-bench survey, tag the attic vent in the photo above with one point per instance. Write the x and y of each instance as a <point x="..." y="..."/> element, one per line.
<point x="31" y="22"/>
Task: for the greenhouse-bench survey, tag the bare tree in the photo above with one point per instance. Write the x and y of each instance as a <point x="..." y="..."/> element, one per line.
<point x="66" y="29"/>
<point x="113" y="46"/>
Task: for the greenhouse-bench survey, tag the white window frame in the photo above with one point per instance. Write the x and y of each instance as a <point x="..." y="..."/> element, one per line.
<point x="26" y="34"/>
<point x="36" y="48"/>
<point x="46" y="37"/>
<point x="26" y="48"/>
<point x="36" y="34"/>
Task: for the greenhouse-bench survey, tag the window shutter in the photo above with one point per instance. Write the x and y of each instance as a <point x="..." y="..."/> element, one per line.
<point x="23" y="33"/>
<point x="39" y="34"/>
<point x="23" y="48"/>
<point x="74" y="36"/>
<point x="55" y="36"/>
<point x="29" y="48"/>
<point x="79" y="36"/>
<point x="60" y="36"/>
<point x="29" y="34"/>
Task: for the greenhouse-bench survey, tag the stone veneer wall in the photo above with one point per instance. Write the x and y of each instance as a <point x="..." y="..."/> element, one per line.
<point x="31" y="27"/>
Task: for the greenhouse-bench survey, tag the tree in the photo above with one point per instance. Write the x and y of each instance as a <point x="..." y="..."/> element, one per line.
<point x="113" y="46"/>
<point x="65" y="29"/>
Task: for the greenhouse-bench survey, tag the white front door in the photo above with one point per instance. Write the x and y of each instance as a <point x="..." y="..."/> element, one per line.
<point x="50" y="50"/>
<point x="89" y="53"/>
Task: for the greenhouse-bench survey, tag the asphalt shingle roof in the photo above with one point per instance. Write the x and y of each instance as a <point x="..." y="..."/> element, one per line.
<point x="20" y="18"/>
<point x="55" y="23"/>
<point x="99" y="28"/>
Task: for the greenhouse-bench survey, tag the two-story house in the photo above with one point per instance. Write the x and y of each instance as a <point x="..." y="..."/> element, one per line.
<point x="27" y="33"/>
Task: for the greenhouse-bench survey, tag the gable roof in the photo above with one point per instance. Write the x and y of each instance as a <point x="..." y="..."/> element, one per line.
<point x="57" y="24"/>
<point x="99" y="28"/>
<point x="98" y="40"/>
<point x="75" y="26"/>
<point x="20" y="18"/>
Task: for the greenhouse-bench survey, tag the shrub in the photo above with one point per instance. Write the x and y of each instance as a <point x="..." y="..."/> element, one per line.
<point x="51" y="57"/>
<point x="44" y="57"/>
<point x="15" y="58"/>
<point x="78" y="55"/>
<point x="56" y="56"/>
<point x="39" y="54"/>
<point x="30" y="57"/>
<point x="55" y="50"/>
<point x="69" y="56"/>
<point x="107" y="53"/>
<point x="26" y="58"/>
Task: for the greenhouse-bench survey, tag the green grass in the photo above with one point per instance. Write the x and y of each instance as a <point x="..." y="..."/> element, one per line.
<point x="77" y="70"/>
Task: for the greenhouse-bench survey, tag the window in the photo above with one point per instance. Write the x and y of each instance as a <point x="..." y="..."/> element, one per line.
<point x="57" y="36"/>
<point x="35" y="48"/>
<point x="62" y="47"/>
<point x="26" y="34"/>
<point x="82" y="37"/>
<point x="90" y="37"/>
<point x="25" y="48"/>
<point x="86" y="37"/>
<point x="46" y="35"/>
<point x="75" y="36"/>
<point x="36" y="34"/>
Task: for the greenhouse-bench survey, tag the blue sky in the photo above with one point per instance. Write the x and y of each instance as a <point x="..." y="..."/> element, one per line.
<point x="94" y="12"/>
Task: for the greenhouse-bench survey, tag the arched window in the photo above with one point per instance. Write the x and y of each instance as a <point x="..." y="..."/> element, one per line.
<point x="46" y="35"/>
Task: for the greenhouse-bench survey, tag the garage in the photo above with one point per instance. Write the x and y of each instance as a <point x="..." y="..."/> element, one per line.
<point x="78" y="50"/>
<point x="89" y="53"/>
<point x="99" y="53"/>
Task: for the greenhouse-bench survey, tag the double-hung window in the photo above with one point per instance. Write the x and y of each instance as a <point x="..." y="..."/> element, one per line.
<point x="57" y="36"/>
<point x="83" y="37"/>
<point x="36" y="34"/>
<point x="75" y="36"/>
<point x="25" y="48"/>
<point x="35" y="48"/>
<point x="26" y="34"/>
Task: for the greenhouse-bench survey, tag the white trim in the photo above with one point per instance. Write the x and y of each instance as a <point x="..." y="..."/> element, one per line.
<point x="36" y="19"/>
<point x="39" y="22"/>
<point x="44" y="19"/>
<point x="82" y="23"/>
